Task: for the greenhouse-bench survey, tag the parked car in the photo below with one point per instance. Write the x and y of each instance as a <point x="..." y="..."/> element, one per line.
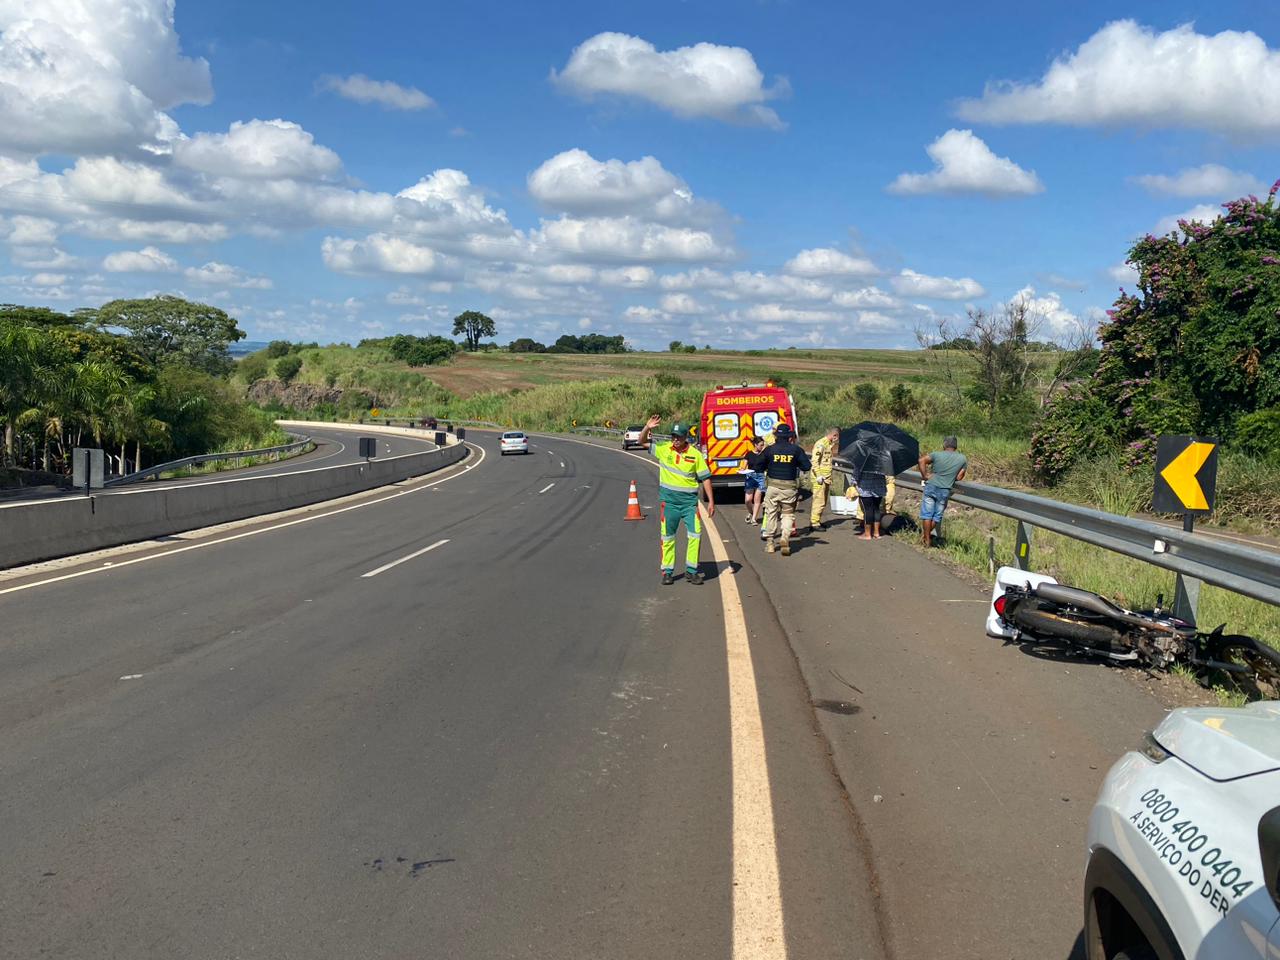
<point x="631" y="437"/>
<point x="1184" y="841"/>
<point x="513" y="441"/>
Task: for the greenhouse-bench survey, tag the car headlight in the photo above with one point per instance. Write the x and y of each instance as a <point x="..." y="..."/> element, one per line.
<point x="1151" y="749"/>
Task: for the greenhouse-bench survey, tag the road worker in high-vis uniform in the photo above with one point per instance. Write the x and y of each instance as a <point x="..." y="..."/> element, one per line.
<point x="682" y="470"/>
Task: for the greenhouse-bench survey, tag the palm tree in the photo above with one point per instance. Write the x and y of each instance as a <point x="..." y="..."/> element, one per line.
<point x="95" y="396"/>
<point x="135" y="422"/>
<point x="19" y="378"/>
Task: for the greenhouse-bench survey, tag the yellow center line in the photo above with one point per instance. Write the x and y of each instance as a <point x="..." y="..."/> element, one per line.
<point x="758" y="928"/>
<point x="759" y="931"/>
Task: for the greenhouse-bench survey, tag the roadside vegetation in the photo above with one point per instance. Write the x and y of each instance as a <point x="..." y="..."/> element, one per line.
<point x="146" y="380"/>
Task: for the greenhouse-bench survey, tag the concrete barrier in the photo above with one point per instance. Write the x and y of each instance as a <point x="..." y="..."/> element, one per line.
<point x="61" y="527"/>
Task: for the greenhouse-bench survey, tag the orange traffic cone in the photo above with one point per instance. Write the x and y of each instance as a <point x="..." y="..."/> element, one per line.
<point x="633" y="504"/>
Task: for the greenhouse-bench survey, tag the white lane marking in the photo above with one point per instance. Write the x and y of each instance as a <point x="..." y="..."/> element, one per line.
<point x="561" y="464"/>
<point x="759" y="931"/>
<point x="395" y="563"/>
<point x="547" y="487"/>
<point x="246" y="533"/>
<point x="132" y="676"/>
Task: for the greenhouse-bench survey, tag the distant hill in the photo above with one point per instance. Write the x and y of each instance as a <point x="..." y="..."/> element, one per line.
<point x="246" y="347"/>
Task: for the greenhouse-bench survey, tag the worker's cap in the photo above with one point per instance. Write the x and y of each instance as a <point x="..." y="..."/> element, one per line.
<point x="782" y="431"/>
<point x="680" y="431"/>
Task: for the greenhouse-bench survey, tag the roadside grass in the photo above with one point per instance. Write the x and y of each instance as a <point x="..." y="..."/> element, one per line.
<point x="274" y="437"/>
<point x="551" y="391"/>
<point x="1130" y="583"/>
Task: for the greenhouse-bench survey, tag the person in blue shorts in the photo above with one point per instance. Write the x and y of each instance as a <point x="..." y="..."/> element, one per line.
<point x="753" y="481"/>
<point x="940" y="470"/>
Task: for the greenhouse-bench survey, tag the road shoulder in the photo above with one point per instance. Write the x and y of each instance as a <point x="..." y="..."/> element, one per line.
<point x="972" y="765"/>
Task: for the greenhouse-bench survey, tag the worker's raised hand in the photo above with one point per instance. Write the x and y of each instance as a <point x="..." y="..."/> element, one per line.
<point x="654" y="422"/>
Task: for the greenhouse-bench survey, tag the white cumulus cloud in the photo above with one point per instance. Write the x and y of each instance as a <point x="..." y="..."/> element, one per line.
<point x="259" y="149"/>
<point x="361" y="89"/>
<point x="826" y="262"/>
<point x="378" y="253"/>
<point x="217" y="274"/>
<point x="909" y="283"/>
<point x="704" y="80"/>
<point x="1209" y="180"/>
<point x="1126" y="73"/>
<point x="1047" y="314"/>
<point x="629" y="238"/>
<point x="965" y="164"/>
<point x="93" y="76"/>
<point x="146" y="260"/>
<point x="576" y="182"/>
<point x="681" y="303"/>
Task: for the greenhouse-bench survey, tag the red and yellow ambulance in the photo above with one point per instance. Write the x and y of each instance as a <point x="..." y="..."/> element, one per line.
<point x="732" y="417"/>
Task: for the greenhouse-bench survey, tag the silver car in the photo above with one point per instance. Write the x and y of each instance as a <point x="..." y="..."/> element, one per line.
<point x="513" y="441"/>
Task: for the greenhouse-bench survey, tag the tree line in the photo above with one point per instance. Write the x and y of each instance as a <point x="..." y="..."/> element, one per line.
<point x="143" y="379"/>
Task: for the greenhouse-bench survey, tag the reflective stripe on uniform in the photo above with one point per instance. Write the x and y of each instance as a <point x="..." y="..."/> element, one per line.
<point x="680" y="472"/>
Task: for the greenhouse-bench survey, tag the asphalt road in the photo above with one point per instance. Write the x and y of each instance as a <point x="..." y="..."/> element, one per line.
<point x="460" y="719"/>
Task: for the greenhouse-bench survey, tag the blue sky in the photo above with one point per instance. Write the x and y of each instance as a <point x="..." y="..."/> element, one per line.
<point x="741" y="173"/>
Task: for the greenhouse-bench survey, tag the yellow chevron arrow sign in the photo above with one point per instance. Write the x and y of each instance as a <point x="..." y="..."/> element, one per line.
<point x="1179" y="461"/>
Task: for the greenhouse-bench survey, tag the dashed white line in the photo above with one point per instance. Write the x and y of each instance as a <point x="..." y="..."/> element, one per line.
<point x="547" y="487"/>
<point x="201" y="544"/>
<point x="132" y="676"/>
<point x="395" y="563"/>
<point x="561" y="464"/>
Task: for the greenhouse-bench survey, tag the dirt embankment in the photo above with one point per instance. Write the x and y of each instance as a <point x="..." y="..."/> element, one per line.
<point x="305" y="396"/>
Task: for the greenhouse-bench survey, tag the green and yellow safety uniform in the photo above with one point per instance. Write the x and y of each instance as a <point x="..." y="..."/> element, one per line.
<point x="821" y="457"/>
<point x="680" y="475"/>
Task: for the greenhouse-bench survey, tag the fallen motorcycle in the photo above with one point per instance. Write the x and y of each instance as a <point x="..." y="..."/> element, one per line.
<point x="1032" y="606"/>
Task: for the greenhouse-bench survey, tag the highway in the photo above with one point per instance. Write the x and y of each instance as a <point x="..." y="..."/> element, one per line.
<point x="460" y="719"/>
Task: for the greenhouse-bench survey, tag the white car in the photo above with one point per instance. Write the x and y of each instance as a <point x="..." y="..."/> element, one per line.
<point x="1184" y="842"/>
<point x="631" y="437"/>
<point x="513" y="441"/>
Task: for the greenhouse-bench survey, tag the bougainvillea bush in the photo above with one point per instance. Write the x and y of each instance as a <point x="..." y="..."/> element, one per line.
<point x="1193" y="350"/>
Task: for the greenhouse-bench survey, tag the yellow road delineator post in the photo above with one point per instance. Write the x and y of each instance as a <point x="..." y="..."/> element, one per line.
<point x="1186" y="480"/>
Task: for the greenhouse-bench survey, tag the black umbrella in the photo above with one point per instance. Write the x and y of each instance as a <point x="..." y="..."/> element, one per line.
<point x="877" y="448"/>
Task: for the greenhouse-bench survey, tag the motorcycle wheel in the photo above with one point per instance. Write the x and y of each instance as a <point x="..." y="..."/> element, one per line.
<point x="1049" y="625"/>
<point x="1263" y="660"/>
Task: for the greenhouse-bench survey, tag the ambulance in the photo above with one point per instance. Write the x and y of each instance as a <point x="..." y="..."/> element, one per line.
<point x="732" y="417"/>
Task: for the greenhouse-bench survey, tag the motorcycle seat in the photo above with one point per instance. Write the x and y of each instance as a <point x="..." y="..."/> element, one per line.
<point x="1081" y="599"/>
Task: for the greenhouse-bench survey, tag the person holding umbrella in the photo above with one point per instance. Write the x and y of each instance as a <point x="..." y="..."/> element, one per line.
<point x="871" y="494"/>
<point x="872" y="452"/>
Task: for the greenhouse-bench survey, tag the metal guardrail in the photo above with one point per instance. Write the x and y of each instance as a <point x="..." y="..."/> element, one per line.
<point x="606" y="431"/>
<point x="1244" y="570"/>
<point x="203" y="458"/>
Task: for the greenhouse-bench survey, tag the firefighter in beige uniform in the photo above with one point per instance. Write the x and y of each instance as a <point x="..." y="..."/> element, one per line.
<point x="822" y="455"/>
